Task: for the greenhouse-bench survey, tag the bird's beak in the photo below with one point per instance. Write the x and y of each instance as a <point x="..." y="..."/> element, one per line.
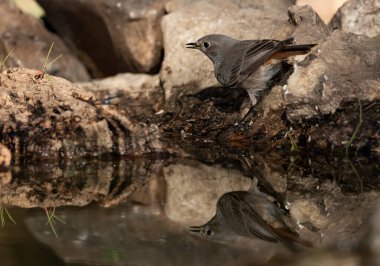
<point x="192" y="45"/>
<point x="195" y="229"/>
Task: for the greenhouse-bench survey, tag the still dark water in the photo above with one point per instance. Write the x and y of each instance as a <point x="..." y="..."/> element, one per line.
<point x="138" y="212"/>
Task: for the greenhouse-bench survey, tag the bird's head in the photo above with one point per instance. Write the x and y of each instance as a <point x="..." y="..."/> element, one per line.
<point x="212" y="45"/>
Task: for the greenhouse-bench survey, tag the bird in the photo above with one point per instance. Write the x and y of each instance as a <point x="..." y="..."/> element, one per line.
<point x="247" y="64"/>
<point x="249" y="214"/>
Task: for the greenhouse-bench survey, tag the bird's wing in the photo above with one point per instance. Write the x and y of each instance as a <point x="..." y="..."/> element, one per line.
<point x="255" y="54"/>
<point x="243" y="219"/>
<point x="227" y="71"/>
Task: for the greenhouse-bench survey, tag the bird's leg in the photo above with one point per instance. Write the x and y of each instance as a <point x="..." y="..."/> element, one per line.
<point x="246" y="115"/>
<point x="253" y="101"/>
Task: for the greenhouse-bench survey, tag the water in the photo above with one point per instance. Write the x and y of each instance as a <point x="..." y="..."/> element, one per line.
<point x="138" y="211"/>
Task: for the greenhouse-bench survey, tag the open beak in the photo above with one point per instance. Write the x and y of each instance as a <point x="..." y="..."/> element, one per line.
<point x="192" y="45"/>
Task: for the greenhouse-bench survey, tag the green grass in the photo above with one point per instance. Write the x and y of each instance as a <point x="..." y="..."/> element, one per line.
<point x="3" y="212"/>
<point x="3" y="63"/>
<point x="52" y="219"/>
<point x="46" y="65"/>
<point x="354" y="134"/>
<point x="5" y="60"/>
<point x="293" y="147"/>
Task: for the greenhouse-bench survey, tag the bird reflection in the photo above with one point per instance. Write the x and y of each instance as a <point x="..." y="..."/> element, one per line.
<point x="249" y="214"/>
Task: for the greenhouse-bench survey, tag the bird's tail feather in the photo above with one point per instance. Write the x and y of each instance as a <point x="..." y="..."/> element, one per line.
<point x="298" y="48"/>
<point x="290" y="237"/>
<point x="292" y="50"/>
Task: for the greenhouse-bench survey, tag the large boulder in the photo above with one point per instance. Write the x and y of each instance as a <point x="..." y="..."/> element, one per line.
<point x="50" y="117"/>
<point x="42" y="116"/>
<point x="30" y="42"/>
<point x="342" y="68"/>
<point x="358" y="16"/>
<point x="110" y="36"/>
<point x="184" y="70"/>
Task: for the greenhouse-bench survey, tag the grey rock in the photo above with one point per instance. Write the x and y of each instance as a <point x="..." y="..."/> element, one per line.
<point x="110" y="36"/>
<point x="309" y="27"/>
<point x="358" y="16"/>
<point x="187" y="71"/>
<point x="29" y="41"/>
<point x="342" y="68"/>
<point x="173" y="5"/>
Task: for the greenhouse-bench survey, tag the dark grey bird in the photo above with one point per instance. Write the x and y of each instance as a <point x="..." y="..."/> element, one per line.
<point x="247" y="64"/>
<point x="249" y="214"/>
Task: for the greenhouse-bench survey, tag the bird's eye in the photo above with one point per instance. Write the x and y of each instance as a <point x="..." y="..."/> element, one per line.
<point x="206" y="45"/>
<point x="209" y="232"/>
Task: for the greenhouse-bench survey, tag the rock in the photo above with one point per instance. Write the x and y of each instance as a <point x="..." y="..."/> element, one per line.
<point x="29" y="41"/>
<point x="304" y="18"/>
<point x="141" y="94"/>
<point x="187" y="71"/>
<point x="173" y="5"/>
<point x="110" y="36"/>
<point x="193" y="190"/>
<point x="324" y="10"/>
<point x="50" y="117"/>
<point x="358" y="16"/>
<point x="47" y="117"/>
<point x="340" y="69"/>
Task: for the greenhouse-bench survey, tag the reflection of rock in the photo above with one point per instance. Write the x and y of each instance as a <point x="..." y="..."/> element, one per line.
<point x="5" y="156"/>
<point x="358" y="16"/>
<point x="30" y="43"/>
<point x="194" y="189"/>
<point x="110" y="36"/>
<point x="370" y="245"/>
<point x="128" y="235"/>
<point x="325" y="258"/>
<point x="339" y="219"/>
<point x="186" y="71"/>
<point x="307" y="211"/>
<point x="5" y="162"/>
<point x="135" y="92"/>
<point x="340" y="69"/>
<point x="49" y="185"/>
<point x="109" y="182"/>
